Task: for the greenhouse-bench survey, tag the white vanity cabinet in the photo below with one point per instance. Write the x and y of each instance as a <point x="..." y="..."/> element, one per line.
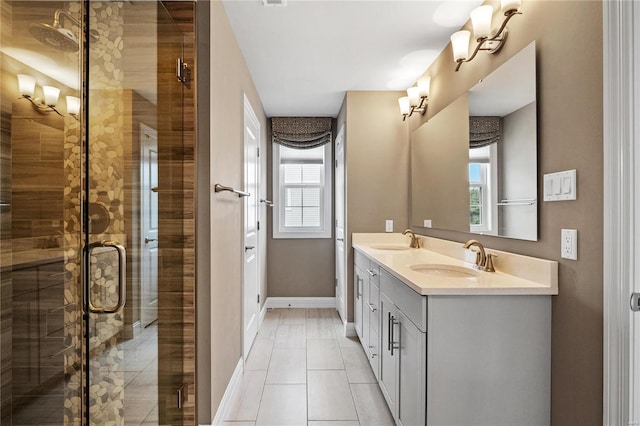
<point x="455" y="359"/>
<point x="403" y="368"/>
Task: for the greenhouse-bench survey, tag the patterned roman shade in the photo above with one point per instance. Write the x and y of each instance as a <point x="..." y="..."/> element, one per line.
<point x="484" y="131"/>
<point x="301" y="132"/>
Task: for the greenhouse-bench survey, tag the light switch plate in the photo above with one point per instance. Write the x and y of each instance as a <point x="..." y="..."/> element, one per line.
<point x="569" y="244"/>
<point x="388" y="226"/>
<point x="560" y="186"/>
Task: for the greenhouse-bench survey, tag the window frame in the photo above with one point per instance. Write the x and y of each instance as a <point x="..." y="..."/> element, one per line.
<point x="325" y="229"/>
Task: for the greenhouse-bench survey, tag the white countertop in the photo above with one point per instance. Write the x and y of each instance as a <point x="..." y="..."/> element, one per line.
<point x="398" y="262"/>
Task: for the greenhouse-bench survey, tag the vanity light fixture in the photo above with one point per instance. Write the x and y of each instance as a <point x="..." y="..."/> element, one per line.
<point x="416" y="99"/>
<point x="73" y="105"/>
<point x="481" y="18"/>
<point x="27" y="88"/>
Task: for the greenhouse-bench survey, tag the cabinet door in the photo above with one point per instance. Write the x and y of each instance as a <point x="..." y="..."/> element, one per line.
<point x="357" y="299"/>
<point x="388" y="354"/>
<point x="411" y="401"/>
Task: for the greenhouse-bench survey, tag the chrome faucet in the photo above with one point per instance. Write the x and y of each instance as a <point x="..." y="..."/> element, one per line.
<point x="415" y="241"/>
<point x="484" y="261"/>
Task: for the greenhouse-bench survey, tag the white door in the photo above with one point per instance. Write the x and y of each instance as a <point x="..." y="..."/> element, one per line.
<point x="251" y="204"/>
<point x="148" y="225"/>
<point x="621" y="103"/>
<point x="341" y="294"/>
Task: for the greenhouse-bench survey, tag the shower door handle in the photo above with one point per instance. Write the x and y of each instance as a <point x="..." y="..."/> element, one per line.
<point x="122" y="278"/>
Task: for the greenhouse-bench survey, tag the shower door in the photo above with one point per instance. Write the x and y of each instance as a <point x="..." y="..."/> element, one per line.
<point x="134" y="198"/>
<point x="85" y="195"/>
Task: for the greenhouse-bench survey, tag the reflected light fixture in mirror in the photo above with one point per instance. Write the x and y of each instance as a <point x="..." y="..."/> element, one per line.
<point x="481" y="21"/>
<point x="51" y="95"/>
<point x="26" y="85"/>
<point x="416" y="99"/>
<point x="27" y="88"/>
<point x="73" y="105"/>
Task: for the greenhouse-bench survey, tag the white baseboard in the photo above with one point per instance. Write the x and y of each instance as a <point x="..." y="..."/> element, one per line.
<point x="300" y="302"/>
<point x="349" y="329"/>
<point x="225" y="403"/>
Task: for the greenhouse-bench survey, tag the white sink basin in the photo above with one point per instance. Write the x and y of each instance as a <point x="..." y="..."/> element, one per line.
<point x="444" y="271"/>
<point x="389" y="247"/>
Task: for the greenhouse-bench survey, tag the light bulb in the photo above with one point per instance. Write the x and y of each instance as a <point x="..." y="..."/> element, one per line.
<point x="73" y="105"/>
<point x="405" y="105"/>
<point x="460" y="45"/>
<point x="481" y="21"/>
<point x="26" y="85"/>
<point x="413" y="95"/>
<point x="424" y="84"/>
<point x="50" y="95"/>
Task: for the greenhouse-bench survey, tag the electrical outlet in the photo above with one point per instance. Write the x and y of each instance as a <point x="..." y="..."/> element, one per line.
<point x="569" y="244"/>
<point x="427" y="223"/>
<point x="388" y="225"/>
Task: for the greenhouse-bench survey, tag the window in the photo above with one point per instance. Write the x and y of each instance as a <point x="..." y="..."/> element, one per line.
<point x="302" y="192"/>
<point x="477" y="195"/>
<point x="480" y="189"/>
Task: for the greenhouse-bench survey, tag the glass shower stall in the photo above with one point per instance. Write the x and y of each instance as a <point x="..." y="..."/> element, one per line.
<point x="96" y="212"/>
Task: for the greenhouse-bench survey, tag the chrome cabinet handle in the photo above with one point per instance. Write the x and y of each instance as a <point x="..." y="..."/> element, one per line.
<point x="122" y="275"/>
<point x="392" y="342"/>
<point x="148" y="240"/>
<point x="340" y="239"/>
<point x="371" y="307"/>
<point x="372" y="273"/>
<point x="358" y="294"/>
<point x="389" y="332"/>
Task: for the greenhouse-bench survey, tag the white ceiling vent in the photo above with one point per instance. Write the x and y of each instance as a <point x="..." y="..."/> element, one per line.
<point x="274" y="2"/>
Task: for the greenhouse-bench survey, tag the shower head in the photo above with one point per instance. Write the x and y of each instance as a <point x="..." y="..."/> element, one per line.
<point x="58" y="38"/>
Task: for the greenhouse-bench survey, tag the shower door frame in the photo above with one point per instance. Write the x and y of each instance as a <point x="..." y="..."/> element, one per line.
<point x="185" y="387"/>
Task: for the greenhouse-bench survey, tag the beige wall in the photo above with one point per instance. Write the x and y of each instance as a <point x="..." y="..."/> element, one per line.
<point x="377" y="168"/>
<point x="568" y="39"/>
<point x="298" y="267"/>
<point x="220" y="281"/>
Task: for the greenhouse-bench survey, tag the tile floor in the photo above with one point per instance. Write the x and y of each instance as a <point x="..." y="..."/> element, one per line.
<point x="302" y="371"/>
<point x="140" y="371"/>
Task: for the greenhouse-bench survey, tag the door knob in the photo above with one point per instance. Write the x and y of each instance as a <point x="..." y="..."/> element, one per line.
<point x="148" y="240"/>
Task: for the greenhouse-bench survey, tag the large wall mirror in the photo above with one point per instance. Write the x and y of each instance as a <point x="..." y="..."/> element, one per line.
<point x="474" y="164"/>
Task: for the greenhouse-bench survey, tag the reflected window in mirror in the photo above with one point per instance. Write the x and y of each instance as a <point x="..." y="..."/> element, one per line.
<point x="482" y="188"/>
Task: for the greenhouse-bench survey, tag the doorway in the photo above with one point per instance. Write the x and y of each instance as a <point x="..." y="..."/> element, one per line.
<point x="341" y="257"/>
<point x="251" y="256"/>
<point x="149" y="225"/>
<point x="81" y="79"/>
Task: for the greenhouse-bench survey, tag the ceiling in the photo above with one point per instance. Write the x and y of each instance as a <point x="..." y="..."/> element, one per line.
<point x="304" y="56"/>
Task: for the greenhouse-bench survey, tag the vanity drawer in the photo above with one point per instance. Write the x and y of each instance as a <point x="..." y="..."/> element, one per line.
<point x="373" y="270"/>
<point x="360" y="260"/>
<point x="412" y="304"/>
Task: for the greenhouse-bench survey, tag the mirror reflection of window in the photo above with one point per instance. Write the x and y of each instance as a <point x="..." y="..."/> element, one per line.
<point x="482" y="182"/>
